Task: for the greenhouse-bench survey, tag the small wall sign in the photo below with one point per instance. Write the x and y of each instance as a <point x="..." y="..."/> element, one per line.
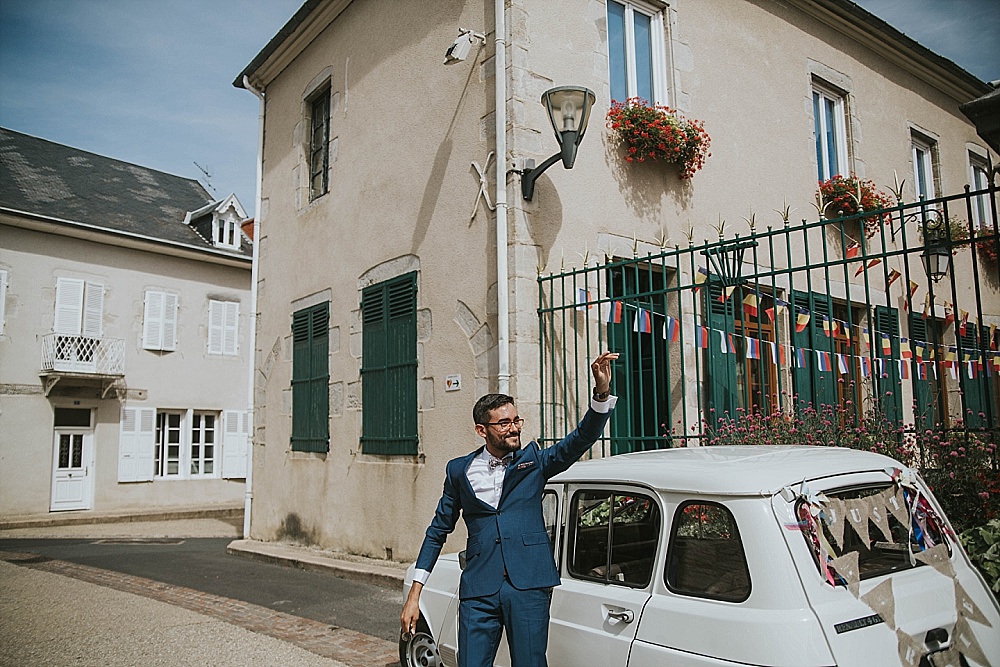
<point x="452" y="382"/>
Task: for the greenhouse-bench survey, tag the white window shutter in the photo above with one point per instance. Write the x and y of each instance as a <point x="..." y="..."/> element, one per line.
<point x="135" y="448"/>
<point x="152" y="321"/>
<point x="69" y="306"/>
<point x="235" y="442"/>
<point x="216" y="319"/>
<point x="93" y="310"/>
<point x="3" y="298"/>
<point x="231" y="327"/>
<point x="170" y="307"/>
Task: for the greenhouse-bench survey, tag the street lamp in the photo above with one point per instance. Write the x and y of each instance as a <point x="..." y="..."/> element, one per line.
<point x="935" y="257"/>
<point x="569" y="111"/>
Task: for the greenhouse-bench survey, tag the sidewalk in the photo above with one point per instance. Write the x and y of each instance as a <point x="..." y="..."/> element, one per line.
<point x="54" y="620"/>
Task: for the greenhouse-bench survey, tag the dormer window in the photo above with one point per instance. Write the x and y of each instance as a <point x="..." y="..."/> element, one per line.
<point x="225" y="231"/>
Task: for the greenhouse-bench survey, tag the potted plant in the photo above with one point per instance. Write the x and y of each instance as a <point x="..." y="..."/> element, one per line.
<point x="986" y="244"/>
<point x="843" y="196"/>
<point x="657" y="132"/>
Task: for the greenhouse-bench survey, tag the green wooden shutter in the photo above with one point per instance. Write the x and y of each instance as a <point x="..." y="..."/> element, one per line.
<point x="811" y="385"/>
<point x="925" y="398"/>
<point x="311" y="379"/>
<point x="979" y="405"/>
<point x="720" y="367"/>
<point x="389" y="367"/>
<point x="887" y="389"/>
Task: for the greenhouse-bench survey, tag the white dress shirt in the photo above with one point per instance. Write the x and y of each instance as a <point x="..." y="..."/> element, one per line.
<point x="488" y="484"/>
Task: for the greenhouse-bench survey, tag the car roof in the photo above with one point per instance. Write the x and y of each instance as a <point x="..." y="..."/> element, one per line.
<point x="726" y="470"/>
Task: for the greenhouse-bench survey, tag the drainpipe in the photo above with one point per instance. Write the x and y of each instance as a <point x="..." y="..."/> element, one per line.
<point x="254" y="269"/>
<point x="500" y="116"/>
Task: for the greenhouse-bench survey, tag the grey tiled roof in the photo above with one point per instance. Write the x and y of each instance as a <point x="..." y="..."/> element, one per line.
<point x="44" y="178"/>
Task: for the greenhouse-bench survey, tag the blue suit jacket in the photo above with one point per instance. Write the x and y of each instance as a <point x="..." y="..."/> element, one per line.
<point x="511" y="536"/>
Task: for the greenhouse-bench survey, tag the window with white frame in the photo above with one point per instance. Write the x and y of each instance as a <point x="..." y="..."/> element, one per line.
<point x="830" y="128"/>
<point x="636" y="52"/>
<point x="203" y="439"/>
<point x="79" y="308"/>
<point x="225" y="231"/>
<point x="223" y="320"/>
<point x="159" y="321"/>
<point x="978" y="180"/>
<point x="3" y="298"/>
<point x="923" y="167"/>
<point x="167" y="455"/>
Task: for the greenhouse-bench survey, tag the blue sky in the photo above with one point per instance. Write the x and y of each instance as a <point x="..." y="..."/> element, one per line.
<point x="150" y="82"/>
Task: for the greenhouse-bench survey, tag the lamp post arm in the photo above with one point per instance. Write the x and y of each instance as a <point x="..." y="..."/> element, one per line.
<point x="529" y="176"/>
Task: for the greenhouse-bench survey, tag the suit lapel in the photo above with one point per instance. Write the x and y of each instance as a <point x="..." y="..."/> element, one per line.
<point x="523" y="463"/>
<point x="465" y="486"/>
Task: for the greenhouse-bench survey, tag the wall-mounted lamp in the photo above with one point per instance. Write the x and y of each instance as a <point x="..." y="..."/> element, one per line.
<point x="569" y="110"/>
<point x="936" y="256"/>
<point x="459" y="50"/>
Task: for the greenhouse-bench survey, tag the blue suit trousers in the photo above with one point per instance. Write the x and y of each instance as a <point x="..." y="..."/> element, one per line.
<point x="525" y="616"/>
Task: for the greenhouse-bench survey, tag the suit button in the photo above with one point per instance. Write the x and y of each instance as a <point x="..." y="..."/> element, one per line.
<point x="499" y="512"/>
<point x="498" y="540"/>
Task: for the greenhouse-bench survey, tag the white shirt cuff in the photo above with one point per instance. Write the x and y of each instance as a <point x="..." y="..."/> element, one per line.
<point x="603" y="406"/>
<point x="421" y="576"/>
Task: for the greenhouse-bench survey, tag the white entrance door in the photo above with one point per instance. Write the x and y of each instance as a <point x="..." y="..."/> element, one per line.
<point x="72" y="470"/>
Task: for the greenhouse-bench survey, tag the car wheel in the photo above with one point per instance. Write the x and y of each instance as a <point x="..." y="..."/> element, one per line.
<point x="419" y="649"/>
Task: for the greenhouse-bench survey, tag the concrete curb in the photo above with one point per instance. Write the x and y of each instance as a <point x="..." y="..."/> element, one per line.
<point x="88" y="517"/>
<point x="279" y="554"/>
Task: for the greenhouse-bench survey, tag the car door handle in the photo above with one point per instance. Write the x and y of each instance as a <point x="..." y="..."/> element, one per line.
<point x="625" y="615"/>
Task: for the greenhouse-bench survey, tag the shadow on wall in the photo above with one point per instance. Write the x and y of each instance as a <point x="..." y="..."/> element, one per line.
<point x="544" y="217"/>
<point x="292" y="530"/>
<point x="644" y="184"/>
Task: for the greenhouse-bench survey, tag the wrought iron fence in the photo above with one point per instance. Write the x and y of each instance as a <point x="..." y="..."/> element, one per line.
<point x="83" y="354"/>
<point x="880" y="324"/>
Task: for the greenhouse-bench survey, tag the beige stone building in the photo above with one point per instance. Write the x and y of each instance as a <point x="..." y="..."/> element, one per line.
<point x="385" y="308"/>
<point x="124" y="335"/>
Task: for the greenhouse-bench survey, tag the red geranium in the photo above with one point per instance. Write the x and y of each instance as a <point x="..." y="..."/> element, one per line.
<point x="656" y="132"/>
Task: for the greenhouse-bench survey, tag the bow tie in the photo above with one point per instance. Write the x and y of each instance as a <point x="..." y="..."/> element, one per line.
<point x="495" y="463"/>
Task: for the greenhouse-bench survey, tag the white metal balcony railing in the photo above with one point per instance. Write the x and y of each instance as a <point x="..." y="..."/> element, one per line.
<point x="82" y="354"/>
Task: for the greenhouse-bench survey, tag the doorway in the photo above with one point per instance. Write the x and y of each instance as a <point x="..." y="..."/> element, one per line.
<point x="72" y="460"/>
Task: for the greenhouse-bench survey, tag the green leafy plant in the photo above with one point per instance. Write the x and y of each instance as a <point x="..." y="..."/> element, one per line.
<point x="844" y="196"/>
<point x="657" y="132"/>
<point x="986" y="244"/>
<point x="982" y="543"/>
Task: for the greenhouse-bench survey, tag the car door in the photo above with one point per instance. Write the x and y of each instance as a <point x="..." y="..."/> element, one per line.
<point x="610" y="539"/>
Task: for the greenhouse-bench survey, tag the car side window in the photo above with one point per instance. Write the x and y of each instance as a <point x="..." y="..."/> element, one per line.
<point x="705" y="557"/>
<point x="614" y="537"/>
<point x="550" y="515"/>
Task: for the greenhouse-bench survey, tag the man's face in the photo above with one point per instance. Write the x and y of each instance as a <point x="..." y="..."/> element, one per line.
<point x="499" y="440"/>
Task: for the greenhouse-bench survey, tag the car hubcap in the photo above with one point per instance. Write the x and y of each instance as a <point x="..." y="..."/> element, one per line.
<point x="422" y="651"/>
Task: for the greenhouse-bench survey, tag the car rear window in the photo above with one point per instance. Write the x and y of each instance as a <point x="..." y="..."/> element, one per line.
<point x="877" y="555"/>
<point x="705" y="557"/>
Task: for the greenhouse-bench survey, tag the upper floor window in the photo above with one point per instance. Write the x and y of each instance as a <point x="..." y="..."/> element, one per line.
<point x="830" y="127"/>
<point x="978" y="180"/>
<point x="159" y="321"/>
<point x="923" y="167"/>
<point x="223" y="320"/>
<point x="79" y="308"/>
<point x="226" y="232"/>
<point x="319" y="145"/>
<point x="636" y="52"/>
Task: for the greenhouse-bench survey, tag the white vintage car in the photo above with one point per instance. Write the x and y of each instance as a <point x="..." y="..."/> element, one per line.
<point x="726" y="556"/>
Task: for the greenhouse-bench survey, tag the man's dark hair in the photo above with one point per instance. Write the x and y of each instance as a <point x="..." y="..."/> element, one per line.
<point x="488" y="403"/>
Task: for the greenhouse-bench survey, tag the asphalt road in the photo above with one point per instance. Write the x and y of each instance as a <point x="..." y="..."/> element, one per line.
<point x="203" y="564"/>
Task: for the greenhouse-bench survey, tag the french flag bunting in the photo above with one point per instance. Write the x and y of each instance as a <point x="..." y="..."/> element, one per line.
<point x="971" y="366"/>
<point x="583" y="299"/>
<point x="778" y="354"/>
<point x="847" y="331"/>
<point x="770" y="313"/>
<point x="672" y="330"/>
<point x="880" y="367"/>
<point x="700" y="278"/>
<point x="919" y="347"/>
<point x="852" y="250"/>
<point x="921" y="370"/>
<point x="826" y="325"/>
<point x="722" y="341"/>
<point x="964" y="321"/>
<point x="953" y="369"/>
<point x="864" y="335"/>
<point x="842" y="364"/>
<point x="701" y="335"/>
<point x="949" y="315"/>
<point x="750" y="305"/>
<point x="823" y="359"/>
<point x="613" y="312"/>
<point x="753" y="348"/>
<point x="904" y="369"/>
<point x="726" y="293"/>
<point x="802" y="320"/>
<point x="894" y="275"/>
<point x="886" y="345"/>
<point x="866" y="366"/>
<point x="913" y="288"/>
<point x="904" y="349"/>
<point x="865" y="267"/>
<point x="800" y="358"/>
<point x="643" y="323"/>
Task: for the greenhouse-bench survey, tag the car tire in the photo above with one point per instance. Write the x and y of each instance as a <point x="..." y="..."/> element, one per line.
<point x="419" y="649"/>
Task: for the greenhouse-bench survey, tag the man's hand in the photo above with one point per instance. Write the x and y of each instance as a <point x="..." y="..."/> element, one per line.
<point x="601" y="368"/>
<point x="411" y="610"/>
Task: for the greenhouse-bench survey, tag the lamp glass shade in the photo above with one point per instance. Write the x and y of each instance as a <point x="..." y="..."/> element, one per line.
<point x="936" y="262"/>
<point x="569" y="109"/>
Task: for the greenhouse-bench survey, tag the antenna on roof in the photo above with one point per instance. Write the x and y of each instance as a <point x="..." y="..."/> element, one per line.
<point x="208" y="176"/>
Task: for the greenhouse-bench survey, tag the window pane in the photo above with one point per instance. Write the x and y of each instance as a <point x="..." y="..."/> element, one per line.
<point x="832" y="128"/>
<point x="614" y="537"/>
<point x="818" y="130"/>
<point x="616" y="51"/>
<point x="64" y="446"/>
<point x="77" y="451"/>
<point x="706" y="558"/>
<point x="72" y="417"/>
<point x="643" y="56"/>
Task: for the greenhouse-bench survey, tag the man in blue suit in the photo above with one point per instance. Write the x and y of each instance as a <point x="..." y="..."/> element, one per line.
<point x="497" y="489"/>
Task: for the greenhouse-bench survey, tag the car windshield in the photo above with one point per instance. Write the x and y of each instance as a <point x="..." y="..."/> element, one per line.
<point x="880" y="553"/>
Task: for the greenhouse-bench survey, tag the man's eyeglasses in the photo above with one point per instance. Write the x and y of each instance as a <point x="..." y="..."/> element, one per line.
<point x="505" y="424"/>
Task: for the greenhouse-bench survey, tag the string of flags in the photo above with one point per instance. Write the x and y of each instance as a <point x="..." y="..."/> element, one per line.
<point x="915" y="358"/>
